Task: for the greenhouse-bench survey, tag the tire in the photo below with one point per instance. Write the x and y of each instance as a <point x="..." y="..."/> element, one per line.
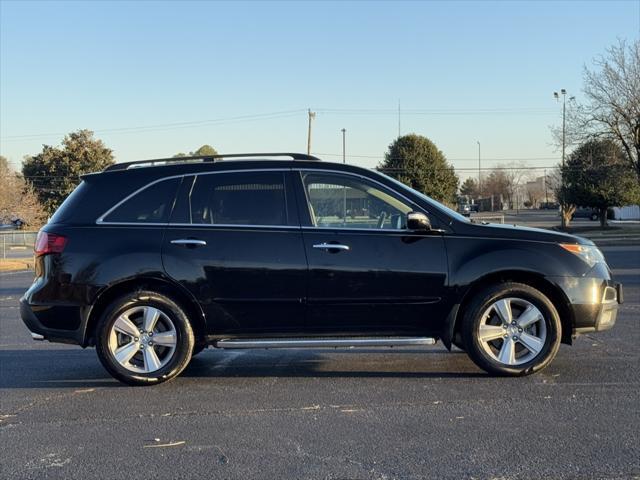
<point x="136" y="354"/>
<point x="530" y="344"/>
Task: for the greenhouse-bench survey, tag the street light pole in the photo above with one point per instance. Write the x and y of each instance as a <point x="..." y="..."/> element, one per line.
<point x="479" y="171"/>
<point x="344" y="158"/>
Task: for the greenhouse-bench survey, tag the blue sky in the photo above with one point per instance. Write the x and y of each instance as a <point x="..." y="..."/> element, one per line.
<point x="463" y="72"/>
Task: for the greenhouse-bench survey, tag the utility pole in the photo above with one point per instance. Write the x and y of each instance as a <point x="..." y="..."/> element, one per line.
<point x="344" y="157"/>
<point x="563" y="92"/>
<point x="312" y="115"/>
<point x="479" y="171"/>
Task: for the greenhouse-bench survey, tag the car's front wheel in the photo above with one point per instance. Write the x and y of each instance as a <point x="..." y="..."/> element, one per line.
<point x="511" y="329"/>
<point x="144" y="338"/>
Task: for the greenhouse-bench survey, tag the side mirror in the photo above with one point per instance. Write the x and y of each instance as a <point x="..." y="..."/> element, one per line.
<point x="418" y="221"/>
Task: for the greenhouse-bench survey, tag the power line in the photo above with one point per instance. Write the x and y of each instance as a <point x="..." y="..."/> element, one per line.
<point x="171" y="126"/>
<point x="290" y="113"/>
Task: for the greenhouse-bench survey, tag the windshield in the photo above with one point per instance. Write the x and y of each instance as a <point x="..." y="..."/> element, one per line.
<point x="437" y="205"/>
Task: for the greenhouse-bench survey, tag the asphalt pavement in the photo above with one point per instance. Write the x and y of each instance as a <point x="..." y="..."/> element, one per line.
<point x="345" y="414"/>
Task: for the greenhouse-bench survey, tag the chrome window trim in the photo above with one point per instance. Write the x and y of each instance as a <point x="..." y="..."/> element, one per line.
<point x="223" y="226"/>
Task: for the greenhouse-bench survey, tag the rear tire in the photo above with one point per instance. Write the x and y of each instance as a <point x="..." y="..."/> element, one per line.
<point x="511" y="329"/>
<point x="144" y="338"/>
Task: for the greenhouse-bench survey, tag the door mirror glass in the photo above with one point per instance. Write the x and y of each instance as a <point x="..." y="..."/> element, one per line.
<point x="418" y="221"/>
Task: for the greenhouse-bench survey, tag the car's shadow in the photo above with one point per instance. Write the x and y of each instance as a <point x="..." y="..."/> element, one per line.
<point x="71" y="368"/>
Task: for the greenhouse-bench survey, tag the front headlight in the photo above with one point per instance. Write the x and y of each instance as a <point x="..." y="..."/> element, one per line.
<point x="590" y="254"/>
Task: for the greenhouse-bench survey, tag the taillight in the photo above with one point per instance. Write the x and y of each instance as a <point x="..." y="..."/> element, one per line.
<point x="49" y="243"/>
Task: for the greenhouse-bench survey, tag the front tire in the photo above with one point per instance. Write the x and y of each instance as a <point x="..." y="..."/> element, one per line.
<point x="511" y="329"/>
<point x="144" y="338"/>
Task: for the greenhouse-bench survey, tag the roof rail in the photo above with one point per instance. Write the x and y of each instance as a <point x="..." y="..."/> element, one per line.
<point x="203" y="158"/>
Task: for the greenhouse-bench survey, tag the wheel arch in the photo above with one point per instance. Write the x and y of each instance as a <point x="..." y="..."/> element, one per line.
<point x="533" y="279"/>
<point x="164" y="286"/>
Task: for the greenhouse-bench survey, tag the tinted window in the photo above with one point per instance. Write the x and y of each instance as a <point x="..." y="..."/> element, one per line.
<point x="151" y="205"/>
<point x="252" y="198"/>
<point x="342" y="201"/>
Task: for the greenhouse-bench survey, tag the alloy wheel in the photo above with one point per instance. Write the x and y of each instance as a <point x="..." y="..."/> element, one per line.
<point x="512" y="331"/>
<point x="143" y="339"/>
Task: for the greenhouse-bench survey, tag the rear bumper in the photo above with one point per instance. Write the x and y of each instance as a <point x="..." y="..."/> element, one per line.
<point x="35" y="317"/>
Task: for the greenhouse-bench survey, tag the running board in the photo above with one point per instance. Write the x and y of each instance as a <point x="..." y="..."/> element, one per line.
<point x="324" y="342"/>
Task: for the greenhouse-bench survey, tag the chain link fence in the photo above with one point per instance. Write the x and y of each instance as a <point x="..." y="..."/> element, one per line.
<point x="17" y="243"/>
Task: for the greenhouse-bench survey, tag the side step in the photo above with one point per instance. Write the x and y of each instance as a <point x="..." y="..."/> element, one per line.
<point x="324" y="342"/>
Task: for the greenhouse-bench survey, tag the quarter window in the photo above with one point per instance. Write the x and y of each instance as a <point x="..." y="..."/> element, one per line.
<point x="252" y="198"/>
<point x="341" y="201"/>
<point x="151" y="205"/>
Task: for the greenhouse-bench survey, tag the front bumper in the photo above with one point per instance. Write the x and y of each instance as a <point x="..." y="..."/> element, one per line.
<point x="593" y="302"/>
<point x="607" y="314"/>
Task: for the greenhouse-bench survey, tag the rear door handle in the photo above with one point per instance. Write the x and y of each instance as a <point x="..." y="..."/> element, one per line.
<point x="331" y="246"/>
<point x="189" y="242"/>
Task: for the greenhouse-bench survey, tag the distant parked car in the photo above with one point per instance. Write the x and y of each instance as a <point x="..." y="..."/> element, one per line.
<point x="474" y="207"/>
<point x="464" y="209"/>
<point x="582" y="212"/>
<point x="18" y="222"/>
<point x="549" y="205"/>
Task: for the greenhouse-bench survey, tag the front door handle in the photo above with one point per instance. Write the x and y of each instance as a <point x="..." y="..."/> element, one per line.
<point x="332" y="246"/>
<point x="189" y="242"/>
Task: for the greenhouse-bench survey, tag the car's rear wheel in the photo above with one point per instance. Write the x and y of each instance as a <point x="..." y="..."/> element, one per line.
<point x="511" y="329"/>
<point x="144" y="338"/>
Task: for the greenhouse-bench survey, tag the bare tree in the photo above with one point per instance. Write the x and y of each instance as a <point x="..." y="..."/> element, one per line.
<point x="18" y="200"/>
<point x="517" y="174"/>
<point x="612" y="103"/>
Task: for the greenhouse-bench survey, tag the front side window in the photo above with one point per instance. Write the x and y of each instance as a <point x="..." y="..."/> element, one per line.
<point x="251" y="198"/>
<point x="344" y="201"/>
<point x="151" y="205"/>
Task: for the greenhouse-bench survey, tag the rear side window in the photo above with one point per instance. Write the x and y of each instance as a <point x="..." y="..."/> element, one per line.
<point x="251" y="198"/>
<point x="151" y="205"/>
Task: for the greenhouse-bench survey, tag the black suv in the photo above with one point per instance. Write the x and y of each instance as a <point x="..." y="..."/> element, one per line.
<point x="153" y="261"/>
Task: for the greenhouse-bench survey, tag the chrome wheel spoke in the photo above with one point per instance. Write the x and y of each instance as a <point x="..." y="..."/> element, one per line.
<point x="490" y="332"/>
<point x="151" y="316"/>
<point x="126" y="326"/>
<point x="151" y="360"/>
<point x="166" y="339"/>
<point x="531" y="343"/>
<point x="124" y="353"/>
<point x="529" y="316"/>
<point x="503" y="309"/>
<point x="507" y="353"/>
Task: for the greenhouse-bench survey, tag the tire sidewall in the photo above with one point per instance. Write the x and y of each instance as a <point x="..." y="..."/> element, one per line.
<point x="473" y="317"/>
<point x="184" y="338"/>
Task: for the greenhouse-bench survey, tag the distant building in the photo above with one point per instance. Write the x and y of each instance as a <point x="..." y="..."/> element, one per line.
<point x="537" y="191"/>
